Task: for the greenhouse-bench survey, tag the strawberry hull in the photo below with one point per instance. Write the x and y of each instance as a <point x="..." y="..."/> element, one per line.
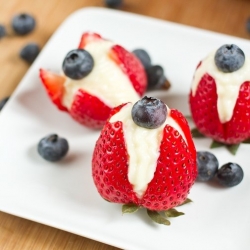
<point x="203" y="106"/>
<point x="174" y="175"/>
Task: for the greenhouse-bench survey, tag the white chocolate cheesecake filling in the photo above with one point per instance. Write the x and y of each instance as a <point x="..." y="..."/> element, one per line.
<point x="106" y="81"/>
<point x="227" y="84"/>
<point x="143" y="147"/>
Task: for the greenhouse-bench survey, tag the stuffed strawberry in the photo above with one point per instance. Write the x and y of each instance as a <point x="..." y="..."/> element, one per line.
<point x="220" y="95"/>
<point x="96" y="77"/>
<point x="145" y="156"/>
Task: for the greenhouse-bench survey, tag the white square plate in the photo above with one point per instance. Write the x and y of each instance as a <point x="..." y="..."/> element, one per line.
<point x="63" y="195"/>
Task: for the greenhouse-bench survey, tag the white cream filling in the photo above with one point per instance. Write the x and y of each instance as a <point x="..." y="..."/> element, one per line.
<point x="143" y="147"/>
<point x="106" y="81"/>
<point x="227" y="84"/>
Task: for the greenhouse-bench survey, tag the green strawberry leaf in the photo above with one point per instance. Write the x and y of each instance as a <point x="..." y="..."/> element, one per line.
<point x="185" y="202"/>
<point x="247" y="141"/>
<point x="173" y="213"/>
<point x="196" y="133"/>
<point x="129" y="208"/>
<point x="216" y="144"/>
<point x="158" y="218"/>
<point x="188" y="117"/>
<point x="233" y="148"/>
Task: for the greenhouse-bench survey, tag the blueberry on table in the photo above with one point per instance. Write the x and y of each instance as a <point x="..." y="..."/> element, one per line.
<point x="2" y="31"/>
<point x="23" y="23"/>
<point x="143" y="56"/>
<point x="229" y="58"/>
<point x="149" y="112"/>
<point x="156" y="77"/>
<point x="207" y="165"/>
<point x="230" y="174"/>
<point x="3" y="102"/>
<point x="248" y="25"/>
<point x="29" y="52"/>
<point x="77" y="64"/>
<point x="113" y="3"/>
<point x="52" y="147"/>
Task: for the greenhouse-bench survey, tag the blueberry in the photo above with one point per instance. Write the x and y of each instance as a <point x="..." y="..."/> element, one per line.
<point x="149" y="112"/>
<point x="23" y="23"/>
<point x="2" y="31"/>
<point x="230" y="174"/>
<point x="113" y="3"/>
<point x="77" y="64"/>
<point x="29" y="52"/>
<point x="3" y="102"/>
<point x="207" y="165"/>
<point x="156" y="77"/>
<point x="143" y="56"/>
<point x="248" y="24"/>
<point x="229" y="58"/>
<point x="52" y="147"/>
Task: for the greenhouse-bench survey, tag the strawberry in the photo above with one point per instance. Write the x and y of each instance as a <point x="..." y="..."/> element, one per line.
<point x="53" y="84"/>
<point x="131" y="66"/>
<point x="175" y="168"/>
<point x="204" y="110"/>
<point x="90" y="99"/>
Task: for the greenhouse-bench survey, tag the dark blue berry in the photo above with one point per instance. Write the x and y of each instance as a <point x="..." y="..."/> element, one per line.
<point x="229" y="58"/>
<point x="149" y="112"/>
<point x="29" y="52"/>
<point x="207" y="165"/>
<point x="52" y="147"/>
<point x="248" y="25"/>
<point x="2" y="31"/>
<point x="156" y="77"/>
<point x="3" y="102"/>
<point x="230" y="174"/>
<point x="77" y="64"/>
<point x="143" y="56"/>
<point x="23" y="23"/>
<point x="113" y="3"/>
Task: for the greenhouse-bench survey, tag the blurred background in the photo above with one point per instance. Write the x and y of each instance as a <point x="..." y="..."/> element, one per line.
<point x="224" y="16"/>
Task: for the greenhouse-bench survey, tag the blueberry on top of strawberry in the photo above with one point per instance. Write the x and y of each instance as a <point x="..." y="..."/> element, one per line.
<point x="77" y="64"/>
<point x="229" y="58"/>
<point x="149" y="112"/>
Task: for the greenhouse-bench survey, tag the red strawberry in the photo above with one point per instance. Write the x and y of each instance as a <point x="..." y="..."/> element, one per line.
<point x="91" y="109"/>
<point x="130" y="66"/>
<point x="205" y="114"/>
<point x="54" y="86"/>
<point x="88" y="109"/>
<point x="174" y="174"/>
<point x="88" y="37"/>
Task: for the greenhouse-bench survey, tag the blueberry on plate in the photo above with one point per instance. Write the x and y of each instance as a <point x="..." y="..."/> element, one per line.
<point x="230" y="174"/>
<point x="229" y="58"/>
<point x="156" y="77"/>
<point x="207" y="165"/>
<point x="113" y="3"/>
<point x="23" y="23"/>
<point x="29" y="52"/>
<point x="143" y="56"/>
<point x="3" y="102"/>
<point x="52" y="147"/>
<point x="149" y="112"/>
<point x="77" y="64"/>
<point x="2" y="31"/>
